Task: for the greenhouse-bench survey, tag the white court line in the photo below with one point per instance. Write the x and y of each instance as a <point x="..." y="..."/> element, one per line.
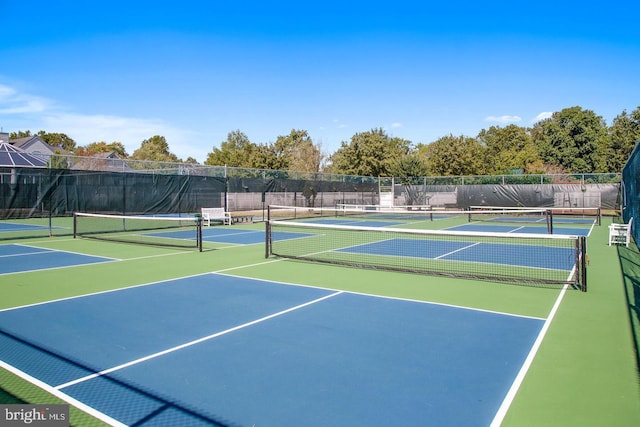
<point x="44" y="251"/>
<point x="68" y="252"/>
<point x="442" y="304"/>
<point x="271" y="261"/>
<point x="103" y="260"/>
<point x="457" y="250"/>
<point x="517" y="382"/>
<point x="515" y="230"/>
<point x="194" y="342"/>
<point x="62" y="396"/>
<point x="231" y="232"/>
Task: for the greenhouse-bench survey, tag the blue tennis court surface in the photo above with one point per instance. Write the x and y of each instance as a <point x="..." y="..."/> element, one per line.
<point x="356" y="222"/>
<point x="236" y="351"/>
<point x="220" y="234"/>
<point x="505" y="254"/>
<point x="19" y="258"/>
<point x="10" y="226"/>
<point x="493" y="228"/>
<point x="244" y="236"/>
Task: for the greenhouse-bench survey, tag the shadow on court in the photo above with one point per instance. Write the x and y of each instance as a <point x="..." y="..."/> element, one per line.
<point x="142" y="406"/>
<point x="630" y="266"/>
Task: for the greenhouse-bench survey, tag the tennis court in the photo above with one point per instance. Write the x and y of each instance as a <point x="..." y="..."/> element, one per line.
<point x="17" y="258"/>
<point x="6" y="227"/>
<point x="147" y="335"/>
<point x="243" y="237"/>
<point x="265" y="342"/>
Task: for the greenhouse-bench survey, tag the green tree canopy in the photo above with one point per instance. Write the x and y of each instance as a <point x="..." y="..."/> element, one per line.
<point x="297" y="152"/>
<point x="156" y="149"/>
<point x="370" y="153"/>
<point x="624" y="134"/>
<point x="408" y="167"/>
<point x="235" y="151"/>
<point x="102" y="147"/>
<point x="508" y="148"/>
<point x="574" y="139"/>
<point x="451" y="155"/>
<point x="20" y="134"/>
<point x="60" y="140"/>
<point x="56" y="140"/>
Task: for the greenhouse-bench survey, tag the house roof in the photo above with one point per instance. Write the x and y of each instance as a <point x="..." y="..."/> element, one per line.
<point x="19" y="142"/>
<point x="11" y="156"/>
<point x="28" y="143"/>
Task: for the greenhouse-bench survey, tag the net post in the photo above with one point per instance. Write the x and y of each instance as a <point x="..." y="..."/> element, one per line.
<point x="267" y="243"/>
<point x="75" y="225"/>
<point x="549" y="215"/>
<point x="198" y="218"/>
<point x="583" y="264"/>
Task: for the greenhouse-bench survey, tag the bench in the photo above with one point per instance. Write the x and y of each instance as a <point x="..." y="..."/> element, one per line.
<point x="620" y="233"/>
<point x="215" y="214"/>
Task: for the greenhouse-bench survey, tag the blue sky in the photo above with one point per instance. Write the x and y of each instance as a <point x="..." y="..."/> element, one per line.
<point x="193" y="71"/>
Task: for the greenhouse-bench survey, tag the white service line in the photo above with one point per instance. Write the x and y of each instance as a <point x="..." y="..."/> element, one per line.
<point x="194" y="342"/>
<point x="517" y="382"/>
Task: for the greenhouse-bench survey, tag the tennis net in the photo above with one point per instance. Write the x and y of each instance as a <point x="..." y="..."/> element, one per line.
<point x="561" y="215"/>
<point x="382" y="208"/>
<point x="171" y="231"/>
<point x="542" y="217"/>
<point x="397" y="214"/>
<point x="413" y="216"/>
<point x="542" y="259"/>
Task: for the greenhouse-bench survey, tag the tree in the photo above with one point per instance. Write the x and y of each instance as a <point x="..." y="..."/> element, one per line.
<point x="507" y="149"/>
<point x="60" y="140"/>
<point x="408" y="167"/>
<point x="262" y="156"/>
<point x="624" y="134"/>
<point x="370" y="153"/>
<point x="56" y="140"/>
<point x="102" y="147"/>
<point x="58" y="162"/>
<point x="408" y="171"/>
<point x="306" y="157"/>
<point x="297" y="152"/>
<point x="235" y="151"/>
<point x="454" y="156"/>
<point x="574" y="139"/>
<point x="156" y="149"/>
<point x="20" y="134"/>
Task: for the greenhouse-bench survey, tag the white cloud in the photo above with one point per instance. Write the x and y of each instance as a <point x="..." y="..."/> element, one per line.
<point x="396" y="125"/>
<point x="14" y="102"/>
<point x="542" y="116"/>
<point x="503" y="119"/>
<point x="337" y="123"/>
<point x="130" y="131"/>
<point x="37" y="113"/>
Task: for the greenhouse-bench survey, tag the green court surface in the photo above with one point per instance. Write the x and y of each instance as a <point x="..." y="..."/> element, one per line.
<point x="584" y="372"/>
